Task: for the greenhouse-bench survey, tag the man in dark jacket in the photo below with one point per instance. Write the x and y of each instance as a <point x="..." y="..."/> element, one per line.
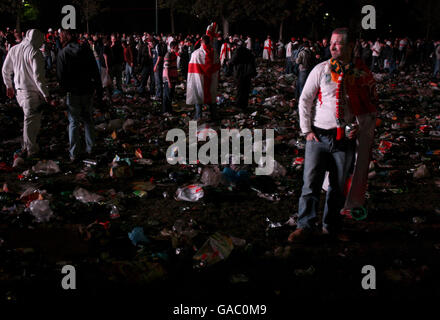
<point x="115" y="60"/>
<point x="79" y="77"/>
<point x="145" y="62"/>
<point x="305" y="65"/>
<point x="243" y="64"/>
<point x="159" y="51"/>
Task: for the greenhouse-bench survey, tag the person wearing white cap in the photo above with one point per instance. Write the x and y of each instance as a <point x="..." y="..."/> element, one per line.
<point x="389" y="58"/>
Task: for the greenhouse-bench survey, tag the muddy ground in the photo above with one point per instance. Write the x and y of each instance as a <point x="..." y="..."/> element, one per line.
<point x="399" y="237"/>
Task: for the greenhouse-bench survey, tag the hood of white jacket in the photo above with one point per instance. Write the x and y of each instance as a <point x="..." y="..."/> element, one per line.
<point x="35" y="37"/>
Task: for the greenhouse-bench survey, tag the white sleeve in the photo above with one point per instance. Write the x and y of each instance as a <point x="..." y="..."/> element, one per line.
<point x="308" y="95"/>
<point x="8" y="70"/>
<point x="39" y="74"/>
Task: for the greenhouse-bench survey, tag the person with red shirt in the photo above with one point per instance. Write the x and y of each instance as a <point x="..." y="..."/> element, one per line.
<point x="128" y="59"/>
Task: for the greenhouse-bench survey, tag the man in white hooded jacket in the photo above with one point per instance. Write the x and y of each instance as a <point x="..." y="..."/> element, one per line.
<point x="25" y="63"/>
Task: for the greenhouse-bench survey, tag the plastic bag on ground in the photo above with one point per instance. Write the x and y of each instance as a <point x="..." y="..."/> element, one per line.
<point x="41" y="210"/>
<point x="190" y="193"/>
<point x="85" y="196"/>
<point x="46" y="167"/>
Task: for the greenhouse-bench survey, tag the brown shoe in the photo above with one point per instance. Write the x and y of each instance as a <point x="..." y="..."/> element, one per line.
<point x="300" y="235"/>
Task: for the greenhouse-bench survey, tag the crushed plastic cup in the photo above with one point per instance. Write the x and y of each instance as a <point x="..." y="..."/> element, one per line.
<point x="85" y="196"/>
<point x="41" y="210"/>
<point x="218" y="247"/>
<point x="114" y="212"/>
<point x="192" y="193"/>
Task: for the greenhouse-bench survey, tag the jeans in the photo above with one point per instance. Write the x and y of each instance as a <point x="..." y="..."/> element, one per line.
<point x="289" y="65"/>
<point x="128" y="73"/>
<point x="146" y="72"/>
<point x="212" y="108"/>
<point x="302" y="77"/>
<point x="80" y="109"/>
<point x="48" y="60"/>
<point x="168" y="94"/>
<point x="436" y="67"/>
<point x="98" y="62"/>
<point x="30" y="101"/>
<point x="325" y="155"/>
<point x="158" y="80"/>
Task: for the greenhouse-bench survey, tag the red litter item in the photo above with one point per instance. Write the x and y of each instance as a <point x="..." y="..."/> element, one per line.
<point x="385" y="146"/>
<point x="138" y="153"/>
<point x="424" y="128"/>
<point x="106" y="224"/>
<point x="190" y="193"/>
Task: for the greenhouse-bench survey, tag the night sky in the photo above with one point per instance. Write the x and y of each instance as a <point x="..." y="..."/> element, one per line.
<point x="395" y="18"/>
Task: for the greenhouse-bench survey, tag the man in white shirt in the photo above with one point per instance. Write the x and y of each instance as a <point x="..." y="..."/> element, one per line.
<point x="327" y="149"/>
<point x="26" y="63"/>
<point x="268" y="50"/>
<point x="289" y="53"/>
<point x="249" y="43"/>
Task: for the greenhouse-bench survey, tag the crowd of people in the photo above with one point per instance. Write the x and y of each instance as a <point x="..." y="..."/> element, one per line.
<point x="140" y="58"/>
<point x="91" y="65"/>
<point x="155" y="63"/>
